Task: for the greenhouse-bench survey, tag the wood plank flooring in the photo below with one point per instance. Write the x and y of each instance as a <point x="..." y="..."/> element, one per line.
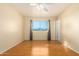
<point x="40" y="48"/>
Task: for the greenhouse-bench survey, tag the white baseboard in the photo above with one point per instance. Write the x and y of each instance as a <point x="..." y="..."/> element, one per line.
<point x="73" y="49"/>
<point x="10" y="47"/>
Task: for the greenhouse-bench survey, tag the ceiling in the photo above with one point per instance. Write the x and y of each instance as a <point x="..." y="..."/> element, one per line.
<point x="53" y="9"/>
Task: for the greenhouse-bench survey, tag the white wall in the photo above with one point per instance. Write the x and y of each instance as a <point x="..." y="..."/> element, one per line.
<point x="11" y="27"/>
<point x="70" y="26"/>
<point x="27" y="28"/>
<point x="44" y="34"/>
<point x="58" y="29"/>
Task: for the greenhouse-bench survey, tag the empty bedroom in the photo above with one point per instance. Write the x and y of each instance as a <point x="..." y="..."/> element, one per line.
<point x="39" y="29"/>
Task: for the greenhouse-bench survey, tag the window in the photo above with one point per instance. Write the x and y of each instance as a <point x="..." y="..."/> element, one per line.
<point x="39" y="25"/>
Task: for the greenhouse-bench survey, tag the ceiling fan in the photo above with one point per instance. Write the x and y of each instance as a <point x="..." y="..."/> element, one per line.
<point x="39" y="6"/>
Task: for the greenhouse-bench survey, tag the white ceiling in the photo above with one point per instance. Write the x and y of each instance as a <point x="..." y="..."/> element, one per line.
<point x="54" y="9"/>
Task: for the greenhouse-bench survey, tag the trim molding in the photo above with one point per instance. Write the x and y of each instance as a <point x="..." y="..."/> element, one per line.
<point x="10" y="47"/>
<point x="73" y="49"/>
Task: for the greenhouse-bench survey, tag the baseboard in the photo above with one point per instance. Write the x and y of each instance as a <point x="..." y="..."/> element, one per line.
<point x="73" y="49"/>
<point x="10" y="47"/>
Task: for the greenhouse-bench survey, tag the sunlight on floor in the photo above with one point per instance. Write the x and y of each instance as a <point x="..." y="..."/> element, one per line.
<point x="41" y="50"/>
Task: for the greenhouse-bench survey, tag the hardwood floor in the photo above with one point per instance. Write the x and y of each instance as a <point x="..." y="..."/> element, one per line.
<point x="40" y="48"/>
